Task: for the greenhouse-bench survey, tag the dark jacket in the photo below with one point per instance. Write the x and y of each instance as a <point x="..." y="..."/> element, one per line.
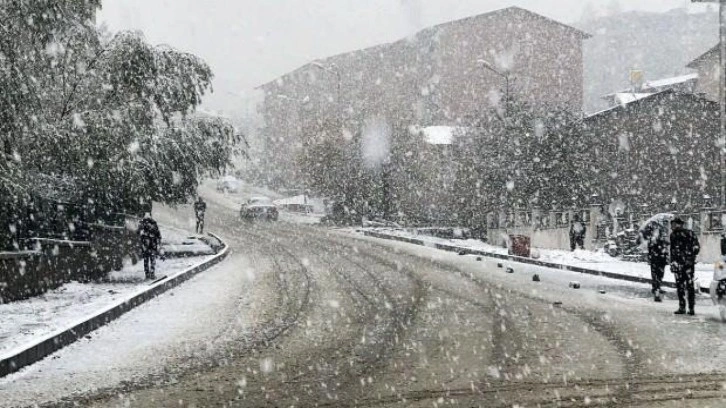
<point x="199" y="208"/>
<point x="656" y="237"/>
<point x="149" y="236"/>
<point x="658" y="251"/>
<point x="723" y="244"/>
<point x="684" y="247"/>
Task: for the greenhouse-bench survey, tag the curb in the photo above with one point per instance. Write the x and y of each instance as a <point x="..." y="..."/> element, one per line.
<point x="56" y="341"/>
<point x="530" y="261"/>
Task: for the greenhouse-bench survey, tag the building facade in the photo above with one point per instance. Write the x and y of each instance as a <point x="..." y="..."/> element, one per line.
<point x="658" y="152"/>
<point x="707" y="66"/>
<point x="448" y="74"/>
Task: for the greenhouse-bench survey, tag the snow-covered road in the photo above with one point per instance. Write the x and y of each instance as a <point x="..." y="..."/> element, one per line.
<point x="303" y="316"/>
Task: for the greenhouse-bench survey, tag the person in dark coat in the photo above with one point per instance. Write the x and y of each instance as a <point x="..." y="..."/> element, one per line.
<point x="656" y="237"/>
<point x="200" y="207"/>
<point x="577" y="233"/>
<point x="150" y="240"/>
<point x="684" y="249"/>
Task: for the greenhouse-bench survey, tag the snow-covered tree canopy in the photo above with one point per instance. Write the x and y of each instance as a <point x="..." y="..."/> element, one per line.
<point x="108" y="111"/>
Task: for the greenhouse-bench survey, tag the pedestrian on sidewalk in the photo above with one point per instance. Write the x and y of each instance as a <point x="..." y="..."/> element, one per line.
<point x="656" y="236"/>
<point x="200" y="207"/>
<point x="150" y="240"/>
<point x="684" y="249"/>
<point x="577" y="233"/>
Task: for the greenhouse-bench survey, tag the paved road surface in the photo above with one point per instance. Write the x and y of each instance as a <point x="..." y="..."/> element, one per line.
<point x="349" y="322"/>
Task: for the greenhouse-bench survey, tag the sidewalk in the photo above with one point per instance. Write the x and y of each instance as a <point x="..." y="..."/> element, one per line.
<point x="74" y="309"/>
<point x="29" y="320"/>
<point x="589" y="262"/>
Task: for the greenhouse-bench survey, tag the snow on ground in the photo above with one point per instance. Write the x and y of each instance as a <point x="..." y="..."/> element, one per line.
<point x="299" y="218"/>
<point x="599" y="261"/>
<point x="191" y="319"/>
<point x="175" y="241"/>
<point x="27" y="321"/>
<point x="30" y="320"/>
<point x="609" y="294"/>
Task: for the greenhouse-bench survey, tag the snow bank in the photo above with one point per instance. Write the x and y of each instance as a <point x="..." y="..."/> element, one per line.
<point x="598" y="261"/>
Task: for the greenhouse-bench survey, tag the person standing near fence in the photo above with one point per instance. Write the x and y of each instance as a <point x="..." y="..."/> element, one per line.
<point x="656" y="237"/>
<point x="200" y="207"/>
<point x="577" y="233"/>
<point x="684" y="249"/>
<point x="150" y="240"/>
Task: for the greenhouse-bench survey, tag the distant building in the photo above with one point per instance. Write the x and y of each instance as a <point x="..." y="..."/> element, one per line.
<point x="658" y="151"/>
<point x="708" y="67"/>
<point x="436" y="76"/>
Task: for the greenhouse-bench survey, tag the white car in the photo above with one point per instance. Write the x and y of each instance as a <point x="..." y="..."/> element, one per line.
<point x="259" y="208"/>
<point x="228" y="184"/>
<point x="718" y="287"/>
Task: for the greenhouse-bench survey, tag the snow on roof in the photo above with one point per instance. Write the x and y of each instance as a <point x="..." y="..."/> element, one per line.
<point x="670" y="81"/>
<point x="655" y="86"/>
<point x="624" y="98"/>
<point x="437" y="135"/>
<point x="671" y="94"/>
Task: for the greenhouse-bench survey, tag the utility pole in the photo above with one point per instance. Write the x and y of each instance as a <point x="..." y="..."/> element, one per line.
<point x="333" y="69"/>
<point x="490" y="67"/>
<point x="722" y="95"/>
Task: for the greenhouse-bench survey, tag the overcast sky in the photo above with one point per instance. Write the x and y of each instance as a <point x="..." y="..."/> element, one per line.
<point x="250" y="42"/>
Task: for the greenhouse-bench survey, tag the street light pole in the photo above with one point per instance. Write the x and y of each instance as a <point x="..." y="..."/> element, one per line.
<point x="490" y="67"/>
<point x="722" y="95"/>
<point x="335" y="71"/>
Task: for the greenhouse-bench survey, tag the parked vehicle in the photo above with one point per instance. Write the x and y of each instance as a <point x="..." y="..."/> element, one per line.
<point x="611" y="246"/>
<point x="228" y="184"/>
<point x="626" y="244"/>
<point x="718" y="287"/>
<point x="259" y="208"/>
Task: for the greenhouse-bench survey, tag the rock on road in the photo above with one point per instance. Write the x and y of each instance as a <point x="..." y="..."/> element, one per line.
<point x="341" y="321"/>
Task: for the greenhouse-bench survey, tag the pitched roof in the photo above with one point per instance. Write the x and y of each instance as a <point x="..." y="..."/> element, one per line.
<point x="427" y="31"/>
<point x="514" y="10"/>
<point x="713" y="52"/>
<point x="652" y="99"/>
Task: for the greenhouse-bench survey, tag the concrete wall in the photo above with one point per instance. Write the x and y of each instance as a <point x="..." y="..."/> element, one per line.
<point x="710" y="247"/>
<point x="54" y="262"/>
<point x="551" y="238"/>
<point x="556" y="238"/>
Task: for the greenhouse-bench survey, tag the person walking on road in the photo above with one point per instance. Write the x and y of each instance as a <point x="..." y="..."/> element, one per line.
<point x="150" y="240"/>
<point x="577" y="233"/>
<point x="657" y="257"/>
<point x="200" y="207"/>
<point x="684" y="249"/>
